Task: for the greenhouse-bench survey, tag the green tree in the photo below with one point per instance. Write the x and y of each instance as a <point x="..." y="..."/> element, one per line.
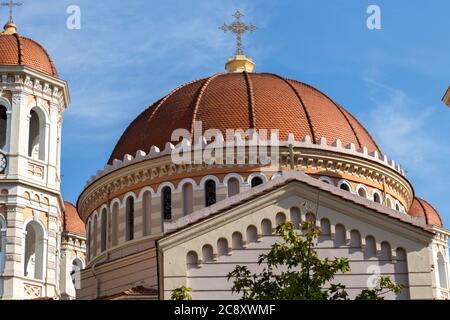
<point x="181" y="293"/>
<point x="293" y="271"/>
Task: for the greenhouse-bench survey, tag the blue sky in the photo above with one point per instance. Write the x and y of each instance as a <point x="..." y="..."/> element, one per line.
<point x="128" y="54"/>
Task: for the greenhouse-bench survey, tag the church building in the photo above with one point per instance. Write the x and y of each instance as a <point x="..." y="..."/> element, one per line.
<point x="197" y="184"/>
<point x="155" y="223"/>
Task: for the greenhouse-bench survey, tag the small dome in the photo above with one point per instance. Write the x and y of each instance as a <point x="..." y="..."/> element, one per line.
<point x="244" y="101"/>
<point x="421" y="208"/>
<point x="20" y="51"/>
<point x="72" y="221"/>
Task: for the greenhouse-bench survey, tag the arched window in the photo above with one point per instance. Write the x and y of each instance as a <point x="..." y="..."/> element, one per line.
<point x="280" y="218"/>
<point x="115" y="225"/>
<point x="36" y="135"/>
<point x="386" y="253"/>
<point x="371" y="247"/>
<point x="442" y="272"/>
<point x="266" y="227"/>
<point x="236" y="239"/>
<point x="104" y="223"/>
<point x="345" y="187"/>
<point x="362" y="192"/>
<point x="355" y="239"/>
<point x="256" y="181"/>
<point x="233" y="187"/>
<point x="325" y="227"/>
<point x="88" y="240"/>
<point x="295" y="217"/>
<point x="388" y="203"/>
<point x="207" y="253"/>
<point x="147" y="213"/>
<point x="2" y="243"/>
<point x="34" y="251"/>
<point x="188" y="199"/>
<point x="3" y="127"/>
<point x="222" y="247"/>
<point x="129" y="216"/>
<point x="77" y="266"/>
<point x="191" y="260"/>
<point x="210" y="193"/>
<point x="166" y="203"/>
<point x="252" y="234"/>
<point x="94" y="237"/>
<point x="376" y="197"/>
<point x="340" y="235"/>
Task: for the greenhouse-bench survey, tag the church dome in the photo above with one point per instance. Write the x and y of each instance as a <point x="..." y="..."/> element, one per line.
<point x="17" y="50"/>
<point x="244" y="101"/>
<point x="72" y="222"/>
<point x="421" y="208"/>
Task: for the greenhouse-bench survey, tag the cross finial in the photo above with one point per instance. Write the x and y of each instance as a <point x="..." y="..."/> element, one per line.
<point x="238" y="28"/>
<point x="11" y="4"/>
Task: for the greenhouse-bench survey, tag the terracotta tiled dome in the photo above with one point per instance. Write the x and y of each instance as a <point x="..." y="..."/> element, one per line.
<point x="18" y="50"/>
<point x="243" y="101"/>
<point x="421" y="208"/>
<point x="72" y="221"/>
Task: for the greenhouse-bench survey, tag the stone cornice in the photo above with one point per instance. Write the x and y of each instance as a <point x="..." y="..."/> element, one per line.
<point x="25" y="79"/>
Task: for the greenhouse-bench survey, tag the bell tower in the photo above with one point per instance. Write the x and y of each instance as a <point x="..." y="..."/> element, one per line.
<point x="32" y="102"/>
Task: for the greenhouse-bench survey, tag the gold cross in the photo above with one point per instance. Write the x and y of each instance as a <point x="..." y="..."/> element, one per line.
<point x="238" y="28"/>
<point x="11" y="4"/>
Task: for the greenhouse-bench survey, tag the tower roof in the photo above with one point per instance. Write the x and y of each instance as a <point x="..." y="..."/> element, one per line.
<point x="21" y="51"/>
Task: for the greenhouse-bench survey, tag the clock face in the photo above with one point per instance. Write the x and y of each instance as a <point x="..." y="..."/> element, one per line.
<point x="3" y="162"/>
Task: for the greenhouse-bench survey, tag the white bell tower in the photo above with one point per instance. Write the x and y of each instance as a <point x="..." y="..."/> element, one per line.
<point x="32" y="102"/>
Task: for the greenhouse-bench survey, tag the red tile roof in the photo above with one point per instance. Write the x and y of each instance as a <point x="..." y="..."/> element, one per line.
<point x="421" y="208"/>
<point x="72" y="222"/>
<point x="18" y="50"/>
<point x="244" y="101"/>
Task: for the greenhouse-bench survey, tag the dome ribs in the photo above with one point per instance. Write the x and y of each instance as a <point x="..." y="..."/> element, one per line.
<point x="297" y="94"/>
<point x="251" y="101"/>
<point x="361" y="127"/>
<point x="19" y="49"/>
<point x="197" y="103"/>
<point x="242" y="102"/>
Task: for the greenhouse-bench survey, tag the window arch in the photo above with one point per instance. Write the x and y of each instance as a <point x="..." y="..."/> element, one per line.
<point x="104" y="229"/>
<point x="295" y="217"/>
<point x="355" y="239"/>
<point x="3" y="126"/>
<point x="147" y="213"/>
<point x="115" y="224"/>
<point x="191" y="260"/>
<point x="34" y="251"/>
<point x="188" y="198"/>
<point x="76" y="267"/>
<point x="252" y="234"/>
<point x="362" y="192"/>
<point x="371" y="247"/>
<point x="222" y="247"/>
<point x="266" y="227"/>
<point x="88" y="240"/>
<point x="129" y="216"/>
<point x="256" y="181"/>
<point x="94" y="236"/>
<point x="210" y="193"/>
<point x="377" y="197"/>
<point x="207" y="253"/>
<point x="36" y="134"/>
<point x="2" y="242"/>
<point x="388" y="202"/>
<point x="345" y="186"/>
<point x="340" y="235"/>
<point x="166" y="203"/>
<point x="233" y="187"/>
<point x="236" y="240"/>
